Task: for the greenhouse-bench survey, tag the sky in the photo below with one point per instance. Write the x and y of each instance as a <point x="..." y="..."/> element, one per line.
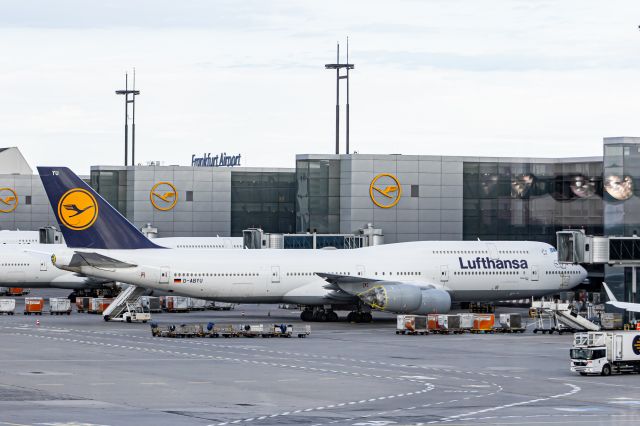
<point x="516" y="78"/>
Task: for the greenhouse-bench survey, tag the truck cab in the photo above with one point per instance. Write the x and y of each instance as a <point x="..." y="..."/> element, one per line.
<point x="589" y="360"/>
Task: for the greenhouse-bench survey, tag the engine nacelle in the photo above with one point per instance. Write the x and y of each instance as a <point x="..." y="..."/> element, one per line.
<point x="406" y="298"/>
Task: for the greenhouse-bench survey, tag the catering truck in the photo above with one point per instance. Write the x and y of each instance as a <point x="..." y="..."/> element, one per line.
<point x="604" y="352"/>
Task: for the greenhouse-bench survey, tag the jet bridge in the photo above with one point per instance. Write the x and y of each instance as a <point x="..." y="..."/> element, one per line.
<point x="574" y="246"/>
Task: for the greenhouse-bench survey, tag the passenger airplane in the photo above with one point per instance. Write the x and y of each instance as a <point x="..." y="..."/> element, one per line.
<point x="416" y="277"/>
<point x="627" y="306"/>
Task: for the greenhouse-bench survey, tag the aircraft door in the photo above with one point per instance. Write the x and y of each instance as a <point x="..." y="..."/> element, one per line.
<point x="444" y="273"/>
<point x="43" y="265"/>
<point x="534" y="273"/>
<point x="164" y="275"/>
<point x="275" y="274"/>
<point x="493" y="251"/>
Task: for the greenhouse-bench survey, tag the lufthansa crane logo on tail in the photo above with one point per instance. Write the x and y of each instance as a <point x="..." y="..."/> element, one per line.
<point x="164" y="196"/>
<point x="77" y="209"/>
<point x="8" y="200"/>
<point x="385" y="190"/>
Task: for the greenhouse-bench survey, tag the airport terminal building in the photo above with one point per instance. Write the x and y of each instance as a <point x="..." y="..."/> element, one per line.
<point x="408" y="197"/>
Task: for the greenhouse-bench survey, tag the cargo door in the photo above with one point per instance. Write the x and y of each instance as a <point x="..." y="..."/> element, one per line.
<point x="275" y="274"/>
<point x="43" y="265"/>
<point x="534" y="273"/>
<point x="227" y="243"/>
<point x="164" y="275"/>
<point x="444" y="273"/>
<point x="564" y="280"/>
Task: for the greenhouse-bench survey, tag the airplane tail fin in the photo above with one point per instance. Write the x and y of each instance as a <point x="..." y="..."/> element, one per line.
<point x="86" y="219"/>
<point x="610" y="295"/>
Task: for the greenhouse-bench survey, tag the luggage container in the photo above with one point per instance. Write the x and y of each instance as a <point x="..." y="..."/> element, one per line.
<point x="432" y="322"/>
<point x="17" y="291"/>
<point x="466" y="321"/>
<point x="99" y="304"/>
<point x="33" y="305"/>
<point x="510" y="323"/>
<point x="611" y="321"/>
<point x="483" y="323"/>
<point x="177" y="303"/>
<point x="449" y="324"/>
<point x="252" y="330"/>
<point x="151" y="303"/>
<point x="83" y="304"/>
<point x="197" y="304"/>
<point x="59" y="306"/>
<point x="7" y="306"/>
<point x="411" y="324"/>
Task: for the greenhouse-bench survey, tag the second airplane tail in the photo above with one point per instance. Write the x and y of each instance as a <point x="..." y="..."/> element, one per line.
<point x="86" y="219"/>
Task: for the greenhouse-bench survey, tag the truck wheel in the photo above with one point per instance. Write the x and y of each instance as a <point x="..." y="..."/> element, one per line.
<point x="606" y="370"/>
<point x="128" y="319"/>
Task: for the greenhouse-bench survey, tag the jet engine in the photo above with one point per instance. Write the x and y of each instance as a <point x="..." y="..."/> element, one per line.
<point x="407" y="299"/>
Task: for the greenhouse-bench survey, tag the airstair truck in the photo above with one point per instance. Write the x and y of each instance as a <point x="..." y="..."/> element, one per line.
<point x="600" y="352"/>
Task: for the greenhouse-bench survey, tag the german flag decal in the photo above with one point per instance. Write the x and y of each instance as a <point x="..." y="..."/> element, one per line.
<point x="177" y="280"/>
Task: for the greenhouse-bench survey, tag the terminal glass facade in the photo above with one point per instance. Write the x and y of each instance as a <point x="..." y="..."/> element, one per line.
<point x="531" y="201"/>
<point x="621" y="204"/>
<point x="112" y="186"/>
<point x="263" y="200"/>
<point x="318" y="199"/>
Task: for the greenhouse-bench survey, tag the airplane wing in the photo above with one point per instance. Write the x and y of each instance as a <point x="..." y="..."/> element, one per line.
<point x="628" y="306"/>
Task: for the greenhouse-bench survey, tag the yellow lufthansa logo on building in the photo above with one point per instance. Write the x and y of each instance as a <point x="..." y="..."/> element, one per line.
<point x="77" y="209"/>
<point x="8" y="200"/>
<point x="385" y="190"/>
<point x="164" y="196"/>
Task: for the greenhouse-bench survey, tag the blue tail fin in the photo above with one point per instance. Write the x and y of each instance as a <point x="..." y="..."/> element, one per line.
<point x="85" y="218"/>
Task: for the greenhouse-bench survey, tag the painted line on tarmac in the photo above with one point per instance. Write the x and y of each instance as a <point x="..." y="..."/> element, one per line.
<point x="574" y="389"/>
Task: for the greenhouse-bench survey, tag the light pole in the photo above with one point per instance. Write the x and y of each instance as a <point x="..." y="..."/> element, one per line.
<point x="126" y="92"/>
<point x="337" y="66"/>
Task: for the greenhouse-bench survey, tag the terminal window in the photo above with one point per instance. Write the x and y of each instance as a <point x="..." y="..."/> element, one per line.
<point x="27" y="199"/>
<point x="189" y="196"/>
<point x="415" y="191"/>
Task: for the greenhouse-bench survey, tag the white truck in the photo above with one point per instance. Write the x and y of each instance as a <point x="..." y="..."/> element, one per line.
<point x="134" y="313"/>
<point x="604" y="352"/>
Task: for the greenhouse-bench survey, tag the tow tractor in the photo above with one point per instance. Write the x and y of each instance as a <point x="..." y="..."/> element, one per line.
<point x="134" y="313"/>
<point x="599" y="352"/>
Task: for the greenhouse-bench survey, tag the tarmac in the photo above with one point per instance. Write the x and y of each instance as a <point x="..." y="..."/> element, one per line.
<point x="80" y="370"/>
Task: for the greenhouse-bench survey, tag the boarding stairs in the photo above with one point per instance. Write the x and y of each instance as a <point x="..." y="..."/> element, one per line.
<point x="565" y="314"/>
<point x="129" y="295"/>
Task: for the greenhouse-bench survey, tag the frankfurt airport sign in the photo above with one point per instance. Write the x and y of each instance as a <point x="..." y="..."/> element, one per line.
<point x="222" y="160"/>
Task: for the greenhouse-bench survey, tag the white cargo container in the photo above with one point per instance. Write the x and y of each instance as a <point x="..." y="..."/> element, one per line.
<point x="448" y="323"/>
<point x="197" y="304"/>
<point x="411" y="324"/>
<point x="7" y="306"/>
<point x="512" y="321"/>
<point x="602" y="352"/>
<point x="59" y="306"/>
<point x="466" y="321"/>
<point x="177" y="303"/>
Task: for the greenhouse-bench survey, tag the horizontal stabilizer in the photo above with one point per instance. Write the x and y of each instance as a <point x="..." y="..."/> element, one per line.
<point x="97" y="260"/>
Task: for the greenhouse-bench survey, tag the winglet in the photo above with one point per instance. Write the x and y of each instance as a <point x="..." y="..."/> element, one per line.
<point x="86" y="219"/>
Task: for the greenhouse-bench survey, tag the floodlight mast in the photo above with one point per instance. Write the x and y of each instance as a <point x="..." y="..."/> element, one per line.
<point x="126" y="92"/>
<point x="337" y="66"/>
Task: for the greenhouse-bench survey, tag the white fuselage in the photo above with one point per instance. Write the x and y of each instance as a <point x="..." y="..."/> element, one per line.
<point x="28" y="263"/>
<point x="468" y="270"/>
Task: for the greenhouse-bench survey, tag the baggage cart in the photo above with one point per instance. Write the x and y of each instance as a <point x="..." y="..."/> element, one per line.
<point x="177" y="303"/>
<point x="466" y="321"/>
<point x="83" y="304"/>
<point x="197" y="304"/>
<point x="411" y="324"/>
<point x="449" y="324"/>
<point x="151" y="303"/>
<point x="99" y="304"/>
<point x="59" y="306"/>
<point x="7" y="306"/>
<point x="432" y="323"/>
<point x="33" y="305"/>
<point x="483" y="323"/>
<point x="510" y="323"/>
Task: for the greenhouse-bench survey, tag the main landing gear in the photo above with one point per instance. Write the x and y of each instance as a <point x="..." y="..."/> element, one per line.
<point x="319" y="315"/>
<point x="359" y="317"/>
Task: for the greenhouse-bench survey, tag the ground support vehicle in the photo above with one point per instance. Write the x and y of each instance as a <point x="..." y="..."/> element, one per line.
<point x="214" y="331"/>
<point x="33" y="305"/>
<point x="7" y="306"/>
<point x="605" y="352"/>
<point x="411" y="324"/>
<point x="134" y="313"/>
<point x="59" y="306"/>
